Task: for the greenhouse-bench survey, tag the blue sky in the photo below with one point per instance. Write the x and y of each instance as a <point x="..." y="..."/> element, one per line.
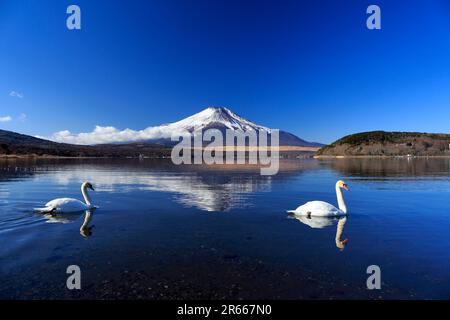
<point x="308" y="67"/>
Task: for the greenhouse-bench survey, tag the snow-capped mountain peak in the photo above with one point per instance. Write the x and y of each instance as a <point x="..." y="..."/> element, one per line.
<point x="214" y="116"/>
<point x="209" y="118"/>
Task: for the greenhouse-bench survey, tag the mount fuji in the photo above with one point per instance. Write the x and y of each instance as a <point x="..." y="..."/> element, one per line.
<point x="221" y="118"/>
<point x="215" y="117"/>
<point x="151" y="142"/>
<point x="210" y="118"/>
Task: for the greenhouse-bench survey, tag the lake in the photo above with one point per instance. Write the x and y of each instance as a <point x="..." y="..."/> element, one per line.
<point x="195" y="232"/>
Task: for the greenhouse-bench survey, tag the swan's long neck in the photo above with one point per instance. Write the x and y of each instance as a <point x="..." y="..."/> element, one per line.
<point x="86" y="197"/>
<point x="340" y="200"/>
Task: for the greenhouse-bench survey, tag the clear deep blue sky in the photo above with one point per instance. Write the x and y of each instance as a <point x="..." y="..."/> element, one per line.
<point x="308" y="67"/>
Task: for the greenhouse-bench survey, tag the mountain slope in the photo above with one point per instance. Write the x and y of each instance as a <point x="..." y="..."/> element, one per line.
<point x="211" y="115"/>
<point x="210" y="118"/>
<point x="151" y="142"/>
<point x="223" y="119"/>
<point x="382" y="143"/>
<point x="12" y="143"/>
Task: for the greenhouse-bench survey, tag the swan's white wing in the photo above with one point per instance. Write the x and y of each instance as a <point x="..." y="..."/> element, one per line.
<point x="66" y="205"/>
<point x="318" y="208"/>
<point x="63" y="218"/>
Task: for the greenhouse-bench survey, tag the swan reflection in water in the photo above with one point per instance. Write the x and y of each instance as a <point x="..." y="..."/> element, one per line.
<point x="85" y="229"/>
<point x="323" y="222"/>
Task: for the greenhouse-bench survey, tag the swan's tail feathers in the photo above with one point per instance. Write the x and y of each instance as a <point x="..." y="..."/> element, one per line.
<point x="44" y="210"/>
<point x="291" y="214"/>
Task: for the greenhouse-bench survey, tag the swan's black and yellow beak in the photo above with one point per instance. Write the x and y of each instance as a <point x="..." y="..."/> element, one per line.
<point x="90" y="186"/>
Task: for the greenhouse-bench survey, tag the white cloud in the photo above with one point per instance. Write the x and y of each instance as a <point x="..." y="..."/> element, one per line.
<point x="5" y="119"/>
<point x="101" y="135"/>
<point x="22" y="117"/>
<point x="16" y="94"/>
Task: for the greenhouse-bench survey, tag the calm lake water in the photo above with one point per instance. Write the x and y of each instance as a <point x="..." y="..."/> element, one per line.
<point x="172" y="232"/>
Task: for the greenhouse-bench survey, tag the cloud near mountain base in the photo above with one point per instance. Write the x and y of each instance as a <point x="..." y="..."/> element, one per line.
<point x="109" y="134"/>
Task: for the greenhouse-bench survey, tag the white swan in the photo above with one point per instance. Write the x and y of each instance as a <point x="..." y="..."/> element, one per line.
<point x="324" y="209"/>
<point x="67" y="205"/>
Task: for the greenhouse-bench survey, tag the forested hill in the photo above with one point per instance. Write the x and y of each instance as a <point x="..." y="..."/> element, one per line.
<point x="382" y="143"/>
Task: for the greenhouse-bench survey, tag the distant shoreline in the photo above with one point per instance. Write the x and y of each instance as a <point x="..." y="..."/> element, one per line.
<point x="377" y="157"/>
<point x="36" y="156"/>
<point x="318" y="157"/>
<point x="282" y="149"/>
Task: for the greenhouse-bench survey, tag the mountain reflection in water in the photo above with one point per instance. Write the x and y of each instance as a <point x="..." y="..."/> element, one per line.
<point x="208" y="188"/>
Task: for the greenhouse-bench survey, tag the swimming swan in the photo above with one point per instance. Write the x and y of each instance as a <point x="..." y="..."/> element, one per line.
<point x="324" y="209"/>
<point x="67" y="205"/>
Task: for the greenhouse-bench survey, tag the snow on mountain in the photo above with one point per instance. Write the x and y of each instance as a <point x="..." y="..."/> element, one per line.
<point x="214" y="116"/>
<point x="217" y="118"/>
